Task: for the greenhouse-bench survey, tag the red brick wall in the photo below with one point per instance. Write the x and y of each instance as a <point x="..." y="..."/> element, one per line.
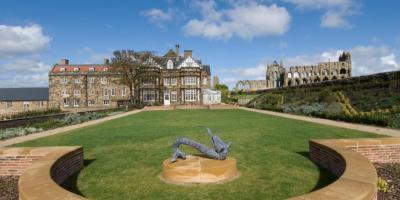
<point x="327" y="158"/>
<point x="67" y="166"/>
<point x="15" y="165"/>
<point x="389" y="153"/>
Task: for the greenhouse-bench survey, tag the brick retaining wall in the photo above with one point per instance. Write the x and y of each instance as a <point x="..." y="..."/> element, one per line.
<point x="379" y="153"/>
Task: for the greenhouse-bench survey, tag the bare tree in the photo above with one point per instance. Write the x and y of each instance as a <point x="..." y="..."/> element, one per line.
<point x="128" y="64"/>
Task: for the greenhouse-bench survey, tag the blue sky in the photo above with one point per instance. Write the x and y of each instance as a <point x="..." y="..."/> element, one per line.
<point x="237" y="38"/>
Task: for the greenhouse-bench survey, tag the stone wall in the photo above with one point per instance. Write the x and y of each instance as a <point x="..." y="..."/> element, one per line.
<point x="15" y="165"/>
<point x="18" y="106"/>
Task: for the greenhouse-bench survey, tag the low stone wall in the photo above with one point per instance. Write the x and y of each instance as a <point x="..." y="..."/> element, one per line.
<point x="350" y="160"/>
<point x="41" y="170"/>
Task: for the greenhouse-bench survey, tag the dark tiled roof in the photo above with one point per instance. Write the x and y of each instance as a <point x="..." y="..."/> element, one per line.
<point x="24" y="94"/>
<point x="207" y="69"/>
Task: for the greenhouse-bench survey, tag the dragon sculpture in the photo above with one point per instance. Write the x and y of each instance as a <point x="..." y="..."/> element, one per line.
<point x="220" y="151"/>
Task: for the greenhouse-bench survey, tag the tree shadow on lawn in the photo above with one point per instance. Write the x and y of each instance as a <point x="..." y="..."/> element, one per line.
<point x="71" y="183"/>
<point x="325" y="177"/>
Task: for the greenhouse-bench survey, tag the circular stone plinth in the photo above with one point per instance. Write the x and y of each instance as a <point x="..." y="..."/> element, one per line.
<point x="196" y="169"/>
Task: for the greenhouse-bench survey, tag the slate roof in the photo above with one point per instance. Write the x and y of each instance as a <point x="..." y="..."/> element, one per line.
<point x="24" y="94"/>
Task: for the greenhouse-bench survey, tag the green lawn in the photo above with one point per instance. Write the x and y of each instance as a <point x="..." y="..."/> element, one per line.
<point x="124" y="157"/>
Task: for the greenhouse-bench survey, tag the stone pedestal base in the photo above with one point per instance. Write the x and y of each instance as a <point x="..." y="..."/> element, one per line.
<point x="196" y="169"/>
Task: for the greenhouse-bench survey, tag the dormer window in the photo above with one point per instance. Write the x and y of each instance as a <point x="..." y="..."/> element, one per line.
<point x="170" y="64"/>
<point x="76" y="69"/>
<point x="62" y="69"/>
<point x="91" y="69"/>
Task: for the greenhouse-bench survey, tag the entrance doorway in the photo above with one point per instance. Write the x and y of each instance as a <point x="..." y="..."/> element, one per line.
<point x="167" y="100"/>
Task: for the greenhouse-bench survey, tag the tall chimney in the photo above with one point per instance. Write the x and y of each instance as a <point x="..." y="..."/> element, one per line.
<point x="64" y="61"/>
<point x="106" y="61"/>
<point x="187" y="53"/>
<point x="177" y="52"/>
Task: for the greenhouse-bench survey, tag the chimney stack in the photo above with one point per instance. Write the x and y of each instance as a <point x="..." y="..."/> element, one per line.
<point x="187" y="53"/>
<point x="106" y="61"/>
<point x="177" y="52"/>
<point x="64" y="62"/>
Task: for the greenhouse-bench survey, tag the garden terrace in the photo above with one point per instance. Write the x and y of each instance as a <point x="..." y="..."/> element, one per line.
<point x="123" y="157"/>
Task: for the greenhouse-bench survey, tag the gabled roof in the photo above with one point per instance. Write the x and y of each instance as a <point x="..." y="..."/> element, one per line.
<point x="24" y="94"/>
<point x="170" y="54"/>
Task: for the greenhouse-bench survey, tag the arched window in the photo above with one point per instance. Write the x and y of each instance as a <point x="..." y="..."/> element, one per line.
<point x="289" y="75"/>
<point x="334" y="78"/>
<point x="304" y="81"/>
<point x="334" y="72"/>
<point x="170" y="64"/>
<point x="297" y="82"/>
<point x="290" y="83"/>
<point x="343" y="71"/>
<point x="325" y="72"/>
<point x="325" y="78"/>
<point x="296" y="75"/>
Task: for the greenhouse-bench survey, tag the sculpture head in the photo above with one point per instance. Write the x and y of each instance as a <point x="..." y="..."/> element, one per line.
<point x="219" y="145"/>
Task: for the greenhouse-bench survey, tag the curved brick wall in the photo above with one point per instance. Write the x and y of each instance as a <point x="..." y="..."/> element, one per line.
<point x="350" y="160"/>
<point x="41" y="169"/>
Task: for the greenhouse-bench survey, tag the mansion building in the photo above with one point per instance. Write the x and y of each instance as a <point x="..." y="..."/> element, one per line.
<point x="171" y="79"/>
<point x="277" y="76"/>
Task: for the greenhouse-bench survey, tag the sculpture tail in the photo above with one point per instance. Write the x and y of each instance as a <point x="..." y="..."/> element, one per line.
<point x="177" y="154"/>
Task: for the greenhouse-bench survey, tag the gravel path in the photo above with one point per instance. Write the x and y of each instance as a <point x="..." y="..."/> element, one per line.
<point x="34" y="136"/>
<point x="359" y="127"/>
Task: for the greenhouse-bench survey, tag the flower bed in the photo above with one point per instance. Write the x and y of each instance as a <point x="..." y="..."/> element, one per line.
<point x="390" y="173"/>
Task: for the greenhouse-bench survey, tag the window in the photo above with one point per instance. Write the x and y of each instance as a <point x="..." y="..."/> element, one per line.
<point x="62" y="69"/>
<point x="167" y="81"/>
<point x="76" y="102"/>
<point x="104" y="80"/>
<point x="92" y="92"/>
<point x="170" y="64"/>
<point x="190" y="95"/>
<point x="64" y="93"/>
<point x="91" y="80"/>
<point x="190" y="80"/>
<point x="76" y="69"/>
<point x="149" y="96"/>
<point x="105" y="69"/>
<point x="90" y="102"/>
<point x="173" y="81"/>
<point x="77" y="80"/>
<point x="91" y="69"/>
<point x="174" y="96"/>
<point x="8" y="104"/>
<point x="123" y="92"/>
<point x="106" y="102"/>
<point x="112" y="92"/>
<point x="148" y="80"/>
<point x="25" y="104"/>
<point x="204" y="81"/>
<point x="77" y="92"/>
<point x="39" y="104"/>
<point x="66" y="103"/>
<point x="64" y="79"/>
<point x="105" y="92"/>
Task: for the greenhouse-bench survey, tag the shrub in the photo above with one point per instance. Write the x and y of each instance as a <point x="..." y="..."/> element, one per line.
<point x="73" y="118"/>
<point x="14" y="132"/>
<point x="382" y="185"/>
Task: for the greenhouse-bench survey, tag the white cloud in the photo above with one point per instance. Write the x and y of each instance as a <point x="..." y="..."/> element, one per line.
<point x="389" y="60"/>
<point x="334" y="19"/>
<point x="335" y="11"/>
<point x="18" y="40"/>
<point x="28" y="64"/>
<point x="25" y="80"/>
<point x="158" y="16"/>
<point x="243" y="20"/>
<point x="231" y="75"/>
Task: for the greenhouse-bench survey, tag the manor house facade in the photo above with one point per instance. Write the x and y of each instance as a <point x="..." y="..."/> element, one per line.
<point x="168" y="80"/>
<point x="277" y="76"/>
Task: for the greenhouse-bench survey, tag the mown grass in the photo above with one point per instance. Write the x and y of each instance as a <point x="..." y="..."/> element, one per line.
<point x="126" y="154"/>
